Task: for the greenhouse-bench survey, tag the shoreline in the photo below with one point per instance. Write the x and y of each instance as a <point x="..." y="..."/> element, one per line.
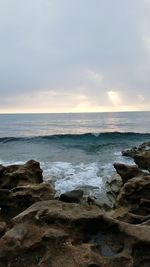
<point x="38" y="229"/>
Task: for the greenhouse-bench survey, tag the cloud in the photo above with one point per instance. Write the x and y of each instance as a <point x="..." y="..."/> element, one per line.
<point x="79" y="50"/>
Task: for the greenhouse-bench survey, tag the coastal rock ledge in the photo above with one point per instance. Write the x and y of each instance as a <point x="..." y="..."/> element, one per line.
<point x="38" y="230"/>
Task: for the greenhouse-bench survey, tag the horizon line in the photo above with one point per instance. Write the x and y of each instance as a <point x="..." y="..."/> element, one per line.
<point x="69" y="112"/>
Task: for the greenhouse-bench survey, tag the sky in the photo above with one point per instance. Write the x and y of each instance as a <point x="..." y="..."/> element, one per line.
<point x="74" y="55"/>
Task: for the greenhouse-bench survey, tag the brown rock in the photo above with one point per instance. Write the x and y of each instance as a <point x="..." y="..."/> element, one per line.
<point x="127" y="171"/>
<point x="133" y="202"/>
<point x="53" y="233"/>
<point x="58" y="211"/>
<point x="17" y="175"/>
<point x="134" y="190"/>
<point x="19" y="198"/>
<point x="136" y="150"/>
<point x="143" y="160"/>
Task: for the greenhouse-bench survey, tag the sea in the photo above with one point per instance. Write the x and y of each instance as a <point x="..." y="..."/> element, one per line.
<point x="75" y="150"/>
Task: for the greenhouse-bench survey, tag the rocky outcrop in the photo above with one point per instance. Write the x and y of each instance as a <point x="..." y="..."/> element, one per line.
<point x="48" y="232"/>
<point x="133" y="202"/>
<point x="37" y="230"/>
<point x="19" y="198"/>
<point x="127" y="171"/>
<point x="134" y="190"/>
<point x="143" y="160"/>
<point x="20" y="187"/>
<point x="140" y="154"/>
<point x="17" y="175"/>
<point x="132" y="152"/>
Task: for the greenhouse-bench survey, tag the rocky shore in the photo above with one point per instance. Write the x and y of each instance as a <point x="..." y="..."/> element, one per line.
<point x="39" y="230"/>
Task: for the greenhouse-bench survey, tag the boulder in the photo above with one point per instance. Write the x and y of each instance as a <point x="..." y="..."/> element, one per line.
<point x="17" y="175"/>
<point x="134" y="190"/>
<point x="73" y="196"/>
<point x="127" y="171"/>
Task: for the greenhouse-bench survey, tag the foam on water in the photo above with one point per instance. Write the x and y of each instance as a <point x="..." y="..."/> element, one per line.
<point x="91" y="177"/>
<point x="66" y="176"/>
<point x="7" y="163"/>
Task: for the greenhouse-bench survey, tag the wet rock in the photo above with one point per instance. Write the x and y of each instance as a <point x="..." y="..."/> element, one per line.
<point x="127" y="171"/>
<point x="17" y="175"/>
<point x="130" y="152"/>
<point x="73" y="196"/>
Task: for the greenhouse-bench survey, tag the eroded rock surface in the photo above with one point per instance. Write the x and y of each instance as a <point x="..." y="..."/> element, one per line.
<point x="17" y="175"/>
<point x="53" y="233"/>
<point x="127" y="171"/>
<point x="143" y="160"/>
<point x="132" y="152"/>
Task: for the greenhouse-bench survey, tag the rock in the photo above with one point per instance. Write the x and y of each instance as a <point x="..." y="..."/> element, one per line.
<point x="73" y="196"/>
<point x="127" y="171"/>
<point x="34" y="192"/>
<point x="130" y="152"/>
<point x="133" y="201"/>
<point x="143" y="160"/>
<point x="106" y="203"/>
<point x="114" y="184"/>
<point x="17" y="175"/>
<point x="19" y="198"/>
<point x="57" y="210"/>
<point x="136" y="150"/>
<point x="3" y="227"/>
<point x="135" y="190"/>
<point x="54" y="233"/>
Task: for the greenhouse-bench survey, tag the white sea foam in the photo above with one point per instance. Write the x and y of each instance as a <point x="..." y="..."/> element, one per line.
<point x="66" y="176"/>
<point x="7" y="163"/>
<point x="117" y="153"/>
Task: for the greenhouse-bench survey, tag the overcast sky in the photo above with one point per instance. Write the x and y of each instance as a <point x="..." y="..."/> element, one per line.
<point x="74" y="55"/>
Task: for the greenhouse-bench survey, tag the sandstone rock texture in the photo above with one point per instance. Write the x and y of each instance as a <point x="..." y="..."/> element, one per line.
<point x="140" y="154"/>
<point x="127" y="172"/>
<point x="38" y="230"/>
<point x="16" y="175"/>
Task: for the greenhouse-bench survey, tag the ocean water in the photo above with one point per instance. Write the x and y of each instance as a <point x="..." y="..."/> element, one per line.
<point x="75" y="150"/>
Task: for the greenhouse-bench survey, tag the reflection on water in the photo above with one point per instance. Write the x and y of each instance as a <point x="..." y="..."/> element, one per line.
<point x="73" y="123"/>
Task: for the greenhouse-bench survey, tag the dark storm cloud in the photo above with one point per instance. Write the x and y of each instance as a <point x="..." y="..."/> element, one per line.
<point x="76" y="48"/>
